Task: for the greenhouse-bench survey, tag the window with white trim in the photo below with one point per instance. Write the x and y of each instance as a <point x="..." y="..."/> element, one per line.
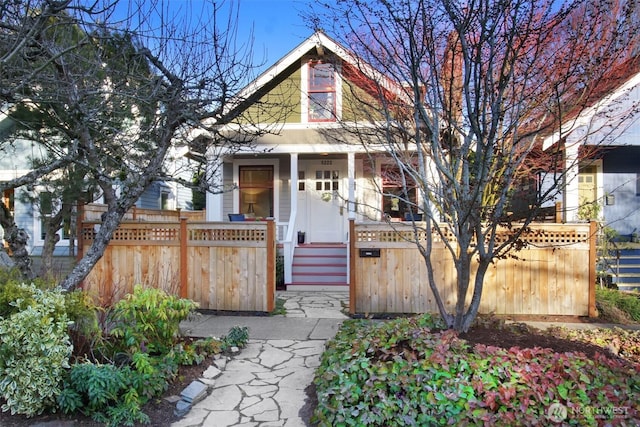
<point x="322" y="92"/>
<point x="256" y="191"/>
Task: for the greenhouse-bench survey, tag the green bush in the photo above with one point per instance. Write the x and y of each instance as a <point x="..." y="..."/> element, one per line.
<point x="627" y="302"/>
<point x="237" y="336"/>
<point x="12" y="289"/>
<point x="104" y="392"/>
<point x="34" y="351"/>
<point x="148" y="320"/>
<point x="142" y="344"/>
<point x="404" y="373"/>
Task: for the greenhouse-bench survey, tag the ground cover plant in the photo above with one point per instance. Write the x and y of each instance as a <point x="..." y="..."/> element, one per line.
<point x="618" y="306"/>
<point x="59" y="353"/>
<point x="410" y="372"/>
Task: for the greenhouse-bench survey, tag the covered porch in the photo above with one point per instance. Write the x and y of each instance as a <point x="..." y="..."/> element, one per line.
<point x="312" y="192"/>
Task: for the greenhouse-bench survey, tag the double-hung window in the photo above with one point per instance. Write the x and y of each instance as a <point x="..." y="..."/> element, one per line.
<point x="322" y="92"/>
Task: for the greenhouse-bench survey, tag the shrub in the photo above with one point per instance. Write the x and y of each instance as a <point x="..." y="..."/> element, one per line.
<point x="104" y="392"/>
<point x="626" y="302"/>
<point x="85" y="331"/>
<point x="402" y="373"/>
<point x="34" y="351"/>
<point x="12" y="289"/>
<point x="237" y="336"/>
<point x="148" y="320"/>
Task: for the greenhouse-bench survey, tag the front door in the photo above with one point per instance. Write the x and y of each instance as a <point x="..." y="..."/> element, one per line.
<point x="325" y="200"/>
<point x="587" y="192"/>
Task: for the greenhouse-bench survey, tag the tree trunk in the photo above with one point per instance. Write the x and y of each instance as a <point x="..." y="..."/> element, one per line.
<point x="101" y="240"/>
<point x="17" y="239"/>
<point x="51" y="237"/>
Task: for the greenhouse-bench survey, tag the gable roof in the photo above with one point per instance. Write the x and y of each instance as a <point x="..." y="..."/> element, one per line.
<point x="319" y="42"/>
<point x="608" y="89"/>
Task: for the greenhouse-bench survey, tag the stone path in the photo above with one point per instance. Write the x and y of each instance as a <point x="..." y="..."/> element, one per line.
<point x="264" y="385"/>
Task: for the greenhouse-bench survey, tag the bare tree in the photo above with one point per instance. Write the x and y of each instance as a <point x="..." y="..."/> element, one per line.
<point x="467" y="92"/>
<point x="115" y="86"/>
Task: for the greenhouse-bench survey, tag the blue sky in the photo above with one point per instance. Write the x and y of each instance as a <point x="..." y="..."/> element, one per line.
<point x="277" y="27"/>
<point x="277" y="24"/>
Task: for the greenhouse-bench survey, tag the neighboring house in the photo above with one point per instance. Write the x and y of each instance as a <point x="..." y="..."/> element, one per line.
<point x="605" y="183"/>
<point x="311" y="184"/>
<point x="14" y="162"/>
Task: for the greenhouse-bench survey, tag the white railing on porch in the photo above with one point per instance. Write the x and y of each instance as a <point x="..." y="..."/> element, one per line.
<point x="288" y="246"/>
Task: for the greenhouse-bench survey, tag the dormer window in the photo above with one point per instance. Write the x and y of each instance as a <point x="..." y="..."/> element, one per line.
<point x="322" y="92"/>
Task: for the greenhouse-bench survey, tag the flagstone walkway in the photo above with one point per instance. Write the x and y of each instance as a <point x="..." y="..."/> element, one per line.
<point x="264" y="385"/>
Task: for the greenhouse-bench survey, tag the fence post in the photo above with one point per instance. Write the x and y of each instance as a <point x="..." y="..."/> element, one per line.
<point x="352" y="266"/>
<point x="558" y="215"/>
<point x="593" y="229"/>
<point x="271" y="264"/>
<point x="183" y="258"/>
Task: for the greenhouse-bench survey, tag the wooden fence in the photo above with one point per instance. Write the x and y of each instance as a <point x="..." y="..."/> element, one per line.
<point x="93" y="211"/>
<point x="221" y="266"/>
<point x="553" y="275"/>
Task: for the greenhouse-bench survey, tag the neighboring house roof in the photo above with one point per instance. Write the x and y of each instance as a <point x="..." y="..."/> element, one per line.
<point x="608" y="90"/>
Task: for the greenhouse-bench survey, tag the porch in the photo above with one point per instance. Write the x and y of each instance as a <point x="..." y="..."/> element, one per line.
<point x="312" y="192"/>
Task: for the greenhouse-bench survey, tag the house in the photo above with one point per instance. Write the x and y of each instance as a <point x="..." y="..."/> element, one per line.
<point x="605" y="183"/>
<point x="28" y="212"/>
<point x="310" y="176"/>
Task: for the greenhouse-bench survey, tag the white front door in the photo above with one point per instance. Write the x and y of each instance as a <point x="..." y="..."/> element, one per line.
<point x="325" y="200"/>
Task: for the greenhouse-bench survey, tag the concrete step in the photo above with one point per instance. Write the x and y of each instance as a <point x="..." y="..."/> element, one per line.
<point x="624" y="261"/>
<point x="628" y="286"/>
<point x="624" y="267"/>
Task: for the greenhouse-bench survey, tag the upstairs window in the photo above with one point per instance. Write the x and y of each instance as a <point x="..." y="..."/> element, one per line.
<point x="322" y="92"/>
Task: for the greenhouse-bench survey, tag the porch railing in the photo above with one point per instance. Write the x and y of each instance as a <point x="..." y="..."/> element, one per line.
<point x="288" y="246"/>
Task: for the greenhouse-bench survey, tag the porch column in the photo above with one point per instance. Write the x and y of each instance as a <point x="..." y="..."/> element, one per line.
<point x="288" y="245"/>
<point x="294" y="186"/>
<point x="351" y="173"/>
<point x="571" y="200"/>
<point x="214" y="201"/>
